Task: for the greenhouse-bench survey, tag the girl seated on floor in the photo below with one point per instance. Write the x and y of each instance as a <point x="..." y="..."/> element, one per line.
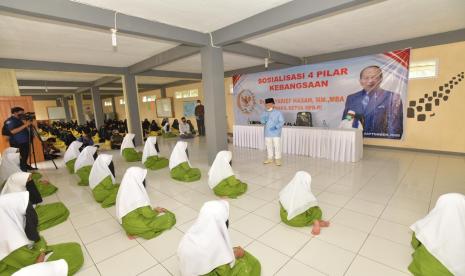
<point x="102" y="181"/>
<point x="84" y="164"/>
<point x="206" y="247"/>
<point x="50" y="214"/>
<point x="128" y="150"/>
<point x="134" y="210"/>
<point x="10" y="164"/>
<point x="221" y="177"/>
<point x="71" y="155"/>
<point x="150" y="157"/>
<point x="180" y="167"/>
<point x="20" y="243"/>
<point x="299" y="207"/>
<point x="439" y="239"/>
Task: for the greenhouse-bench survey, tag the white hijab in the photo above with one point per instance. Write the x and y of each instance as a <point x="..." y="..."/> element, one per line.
<point x="16" y="183"/>
<point x="100" y="170"/>
<point x="206" y="245"/>
<point x="131" y="193"/>
<point x="9" y="163"/>
<point x="73" y="151"/>
<point x="442" y="232"/>
<point x="178" y="155"/>
<point x="54" y="268"/>
<point x="85" y="158"/>
<point x="149" y="148"/>
<point x="127" y="142"/>
<point x="297" y="196"/>
<point x="220" y="168"/>
<point x="13" y="219"/>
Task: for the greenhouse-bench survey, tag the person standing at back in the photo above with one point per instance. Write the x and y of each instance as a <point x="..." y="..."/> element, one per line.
<point x="200" y="117"/>
<point x="19" y="135"/>
<point x="274" y="122"/>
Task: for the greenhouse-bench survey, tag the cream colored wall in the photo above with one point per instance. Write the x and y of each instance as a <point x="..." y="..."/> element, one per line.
<point x="178" y="103"/>
<point x="120" y="110"/>
<point x="446" y="130"/>
<point x="8" y="83"/>
<point x="40" y="108"/>
<point x="148" y="110"/>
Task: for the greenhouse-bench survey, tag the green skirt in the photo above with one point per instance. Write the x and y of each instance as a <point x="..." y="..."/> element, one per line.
<point x="230" y="187"/>
<point x="45" y="189"/>
<point x="83" y="174"/>
<point x="425" y="264"/>
<point x="169" y="135"/>
<point x="245" y="266"/>
<point x="25" y="256"/>
<point x="305" y="219"/>
<point x="36" y="176"/>
<point x="70" y="165"/>
<point x="131" y="155"/>
<point x="156" y="163"/>
<point x="145" y="222"/>
<point x="51" y="214"/>
<point x="105" y="192"/>
<point x="183" y="172"/>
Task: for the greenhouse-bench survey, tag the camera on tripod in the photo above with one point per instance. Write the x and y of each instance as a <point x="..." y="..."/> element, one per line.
<point x="28" y="116"/>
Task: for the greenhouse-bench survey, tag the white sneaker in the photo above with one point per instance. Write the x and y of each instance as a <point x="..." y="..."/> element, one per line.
<point x="278" y="162"/>
<point x="268" y="161"/>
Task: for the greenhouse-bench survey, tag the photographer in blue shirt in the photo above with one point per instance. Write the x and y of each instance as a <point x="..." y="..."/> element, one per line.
<point x="273" y="121"/>
<point x="380" y="110"/>
<point x="18" y="132"/>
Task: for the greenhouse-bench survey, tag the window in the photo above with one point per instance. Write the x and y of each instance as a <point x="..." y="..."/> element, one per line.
<point x="423" y="69"/>
<point x="191" y="93"/>
<point x="146" y="99"/>
<point x="231" y="89"/>
<point x="107" y="103"/>
<point x="122" y="101"/>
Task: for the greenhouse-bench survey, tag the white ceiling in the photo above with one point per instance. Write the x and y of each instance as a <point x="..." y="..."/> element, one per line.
<point x="155" y="80"/>
<point x="199" y="15"/>
<point x="26" y="38"/>
<point x="55" y="76"/>
<point x="193" y="63"/>
<point x="383" y="22"/>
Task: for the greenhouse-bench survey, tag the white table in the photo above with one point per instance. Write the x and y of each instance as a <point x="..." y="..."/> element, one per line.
<point x="345" y="145"/>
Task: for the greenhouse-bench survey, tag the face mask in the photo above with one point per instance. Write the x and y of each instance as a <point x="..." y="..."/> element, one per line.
<point x="269" y="109"/>
<point x="348" y="117"/>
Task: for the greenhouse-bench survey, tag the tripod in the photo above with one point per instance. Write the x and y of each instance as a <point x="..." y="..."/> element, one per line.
<point x="33" y="132"/>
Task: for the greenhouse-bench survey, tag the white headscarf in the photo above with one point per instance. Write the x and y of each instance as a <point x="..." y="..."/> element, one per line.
<point x="16" y="183"/>
<point x="73" y="151"/>
<point x="131" y="193"/>
<point x="85" y="158"/>
<point x="100" y="170"/>
<point x="442" y="232"/>
<point x="206" y="245"/>
<point x="149" y="148"/>
<point x="127" y="142"/>
<point x="178" y="155"/>
<point x="13" y="219"/>
<point x="220" y="168"/>
<point x="297" y="196"/>
<point x="54" y="268"/>
<point x="9" y="163"/>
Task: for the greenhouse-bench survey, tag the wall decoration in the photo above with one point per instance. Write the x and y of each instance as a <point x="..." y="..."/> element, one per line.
<point x="424" y="106"/>
<point x="165" y="108"/>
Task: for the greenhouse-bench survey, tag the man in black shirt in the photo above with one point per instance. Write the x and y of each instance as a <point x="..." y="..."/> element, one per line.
<point x="19" y="135"/>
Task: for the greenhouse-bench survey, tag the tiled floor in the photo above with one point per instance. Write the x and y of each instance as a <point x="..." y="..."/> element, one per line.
<point x="370" y="205"/>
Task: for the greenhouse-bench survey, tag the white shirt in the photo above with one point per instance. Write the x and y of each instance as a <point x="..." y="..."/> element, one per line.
<point x="131" y="193"/>
<point x="85" y="158"/>
<point x="12" y="220"/>
<point x="297" y="196"/>
<point x="206" y="245"/>
<point x="100" y="170"/>
<point x="220" y="168"/>
<point x="442" y="232"/>
<point x="184" y="128"/>
<point x="178" y="155"/>
<point x="149" y="148"/>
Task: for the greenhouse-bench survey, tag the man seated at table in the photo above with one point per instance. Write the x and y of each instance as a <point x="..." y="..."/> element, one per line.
<point x="185" y="129"/>
<point x="350" y="121"/>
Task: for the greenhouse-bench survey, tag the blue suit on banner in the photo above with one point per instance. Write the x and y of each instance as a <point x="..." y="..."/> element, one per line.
<point x="273" y="121"/>
<point x="380" y="111"/>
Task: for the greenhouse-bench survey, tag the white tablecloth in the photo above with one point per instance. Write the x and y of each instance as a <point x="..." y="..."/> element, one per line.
<point x="344" y="145"/>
